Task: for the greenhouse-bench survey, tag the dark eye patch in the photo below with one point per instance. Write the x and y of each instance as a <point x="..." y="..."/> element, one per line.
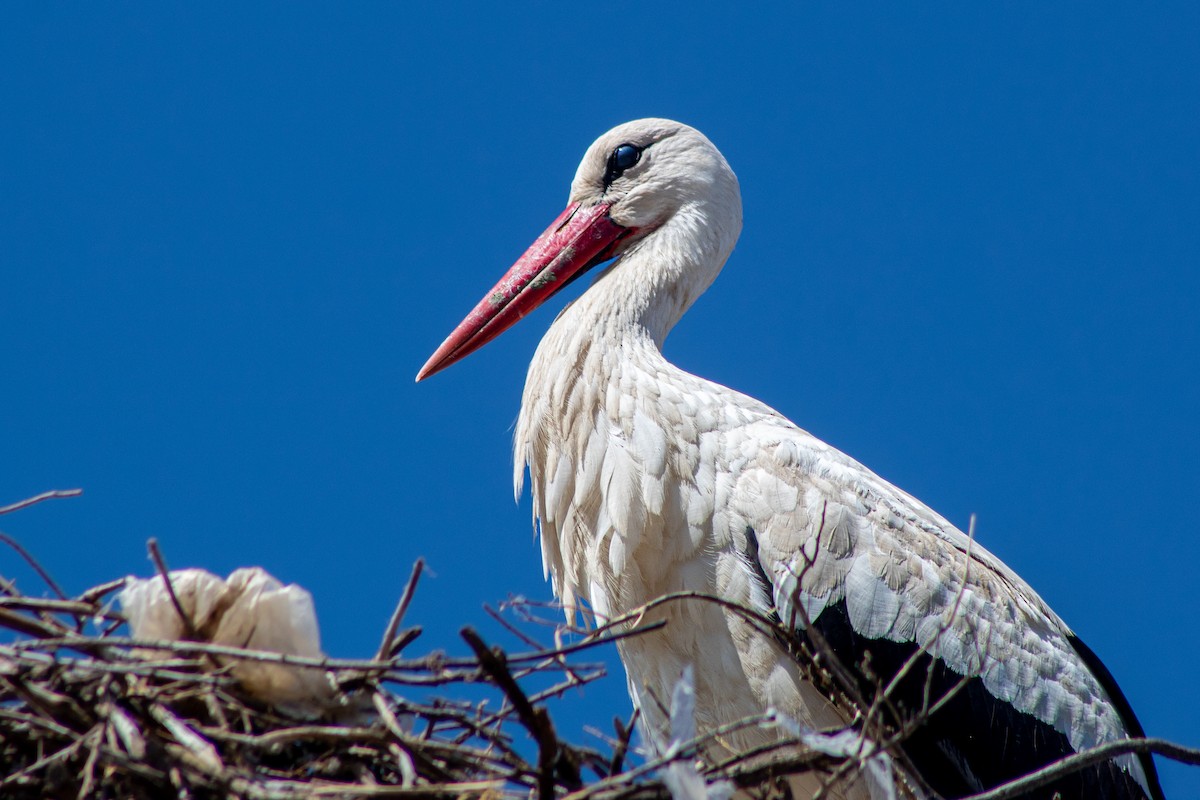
<point x="620" y="159"/>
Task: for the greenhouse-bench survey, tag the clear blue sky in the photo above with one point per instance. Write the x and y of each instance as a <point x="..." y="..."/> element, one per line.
<point x="229" y="237"/>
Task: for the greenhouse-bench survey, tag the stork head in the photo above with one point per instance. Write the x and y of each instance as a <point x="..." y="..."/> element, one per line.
<point x="633" y="182"/>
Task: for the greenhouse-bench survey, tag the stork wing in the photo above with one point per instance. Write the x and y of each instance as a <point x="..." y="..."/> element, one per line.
<point x="883" y="576"/>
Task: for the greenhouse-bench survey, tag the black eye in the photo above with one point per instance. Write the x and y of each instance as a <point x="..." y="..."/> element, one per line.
<point x="620" y="159"/>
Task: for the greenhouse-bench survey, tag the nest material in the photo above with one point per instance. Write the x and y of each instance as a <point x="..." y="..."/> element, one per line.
<point x="87" y="713"/>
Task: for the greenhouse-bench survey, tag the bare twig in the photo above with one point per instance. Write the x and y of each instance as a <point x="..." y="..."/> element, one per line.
<point x="160" y="564"/>
<point x="53" y="494"/>
<point x="94" y="594"/>
<point x="535" y="720"/>
<point x="1082" y="760"/>
<point x="624" y="735"/>
<point x="23" y="553"/>
<point x="388" y="647"/>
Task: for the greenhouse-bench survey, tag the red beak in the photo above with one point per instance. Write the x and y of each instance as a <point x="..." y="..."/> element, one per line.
<point x="578" y="239"/>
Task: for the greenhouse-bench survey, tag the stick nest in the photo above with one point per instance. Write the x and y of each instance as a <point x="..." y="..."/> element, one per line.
<point x="89" y="713"/>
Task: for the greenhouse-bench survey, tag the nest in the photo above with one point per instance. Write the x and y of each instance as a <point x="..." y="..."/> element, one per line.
<point x="88" y="711"/>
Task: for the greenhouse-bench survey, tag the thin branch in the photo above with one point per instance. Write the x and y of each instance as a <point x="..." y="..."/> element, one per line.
<point x="161" y="565"/>
<point x="94" y="594"/>
<point x="513" y="629"/>
<point x="535" y="720"/>
<point x="387" y="647"/>
<point x="53" y="494"/>
<point x="1086" y="758"/>
<point x="25" y="554"/>
<point x="56" y="607"/>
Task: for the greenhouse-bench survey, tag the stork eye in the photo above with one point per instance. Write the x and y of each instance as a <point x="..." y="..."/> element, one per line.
<point x="620" y="159"/>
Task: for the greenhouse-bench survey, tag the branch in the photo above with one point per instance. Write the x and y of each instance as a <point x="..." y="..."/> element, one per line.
<point x="535" y="720"/>
<point x="54" y="494"/>
<point x="156" y="556"/>
<point x="29" y="559"/>
<point x="390" y="646"/>
<point x="1086" y="758"/>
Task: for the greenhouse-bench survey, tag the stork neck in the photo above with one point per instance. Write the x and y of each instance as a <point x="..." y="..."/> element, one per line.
<point x="646" y="291"/>
<point x="602" y="345"/>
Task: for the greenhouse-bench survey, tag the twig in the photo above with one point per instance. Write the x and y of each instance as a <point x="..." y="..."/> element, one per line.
<point x="387" y="647"/>
<point x="535" y="720"/>
<point x="21" y="551"/>
<point x="89" y="766"/>
<point x="624" y="735"/>
<point x="53" y="494"/>
<point x="41" y="763"/>
<point x="161" y="565"/>
<point x="56" y="606"/>
<point x="94" y="594"/>
<point x="1086" y="758"/>
<point x="684" y="750"/>
<point x="508" y="626"/>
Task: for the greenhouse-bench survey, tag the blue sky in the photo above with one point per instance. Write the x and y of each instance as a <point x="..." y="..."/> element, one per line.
<point x="230" y="236"/>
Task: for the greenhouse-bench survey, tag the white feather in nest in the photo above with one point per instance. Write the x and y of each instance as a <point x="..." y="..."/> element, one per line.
<point x="249" y="609"/>
<point x="681" y="776"/>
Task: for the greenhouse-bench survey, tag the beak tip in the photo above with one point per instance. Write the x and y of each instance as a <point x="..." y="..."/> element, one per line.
<point x="437" y="362"/>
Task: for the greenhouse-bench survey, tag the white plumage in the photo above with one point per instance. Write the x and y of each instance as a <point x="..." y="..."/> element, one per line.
<point x="647" y="480"/>
<point x="250" y="609"/>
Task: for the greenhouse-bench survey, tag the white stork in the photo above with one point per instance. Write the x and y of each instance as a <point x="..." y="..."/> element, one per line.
<point x="647" y="480"/>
